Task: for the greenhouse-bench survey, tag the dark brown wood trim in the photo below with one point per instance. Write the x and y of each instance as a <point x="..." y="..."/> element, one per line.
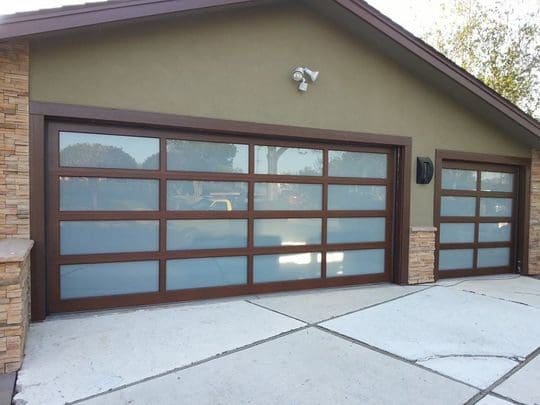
<point x="31" y="23"/>
<point x="402" y="211"/>
<point x="213" y="292"/>
<point x="211" y="125"/>
<point x="472" y="157"/>
<point x="520" y="217"/>
<point x="76" y="116"/>
<point x="524" y="198"/>
<point x="37" y="217"/>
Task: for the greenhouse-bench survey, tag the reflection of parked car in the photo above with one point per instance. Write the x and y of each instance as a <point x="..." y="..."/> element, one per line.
<point x="208" y="204"/>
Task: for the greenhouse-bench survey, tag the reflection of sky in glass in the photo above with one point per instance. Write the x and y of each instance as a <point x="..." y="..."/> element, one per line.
<point x="293" y="161"/>
<point x="138" y="148"/>
<point x="494" y="181"/>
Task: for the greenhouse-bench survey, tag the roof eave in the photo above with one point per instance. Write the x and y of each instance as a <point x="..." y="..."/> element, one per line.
<point x="28" y="24"/>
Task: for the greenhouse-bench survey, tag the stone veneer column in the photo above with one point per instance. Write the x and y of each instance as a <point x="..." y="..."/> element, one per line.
<point x="422" y="255"/>
<point x="14" y="129"/>
<point x="14" y="301"/>
<point x="534" y="229"/>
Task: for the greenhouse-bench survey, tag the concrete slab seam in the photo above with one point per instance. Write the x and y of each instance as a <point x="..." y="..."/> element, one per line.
<point x="510" y="373"/>
<point x="194" y="364"/>
<point x="497" y="298"/>
<point x="392" y="355"/>
<point x="479" y="279"/>
<point x="340" y="315"/>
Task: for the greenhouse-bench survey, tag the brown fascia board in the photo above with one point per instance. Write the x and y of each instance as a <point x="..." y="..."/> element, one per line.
<point x="63" y="18"/>
<point x="427" y="53"/>
<point x="27" y="24"/>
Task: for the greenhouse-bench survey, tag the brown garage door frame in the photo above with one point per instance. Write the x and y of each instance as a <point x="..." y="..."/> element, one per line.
<point x="44" y="115"/>
<point x="520" y="216"/>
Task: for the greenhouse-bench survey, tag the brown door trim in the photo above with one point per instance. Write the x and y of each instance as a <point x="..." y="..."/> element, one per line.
<point x="43" y="113"/>
<point x="475" y="161"/>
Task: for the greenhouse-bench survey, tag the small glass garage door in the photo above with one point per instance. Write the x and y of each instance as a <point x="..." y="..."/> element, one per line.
<point x="146" y="216"/>
<point x="476" y="219"/>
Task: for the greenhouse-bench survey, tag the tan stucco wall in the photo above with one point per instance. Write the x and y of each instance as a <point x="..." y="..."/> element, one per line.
<point x="236" y="65"/>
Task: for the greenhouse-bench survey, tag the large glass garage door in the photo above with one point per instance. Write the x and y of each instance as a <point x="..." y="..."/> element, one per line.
<point x="476" y="218"/>
<point x="140" y="216"/>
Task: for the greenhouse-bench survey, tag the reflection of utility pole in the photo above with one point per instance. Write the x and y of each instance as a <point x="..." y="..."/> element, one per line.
<point x="272" y="157"/>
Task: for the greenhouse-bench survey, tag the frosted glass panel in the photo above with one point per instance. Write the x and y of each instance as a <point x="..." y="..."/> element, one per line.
<point x="355" y="230"/>
<point x="496" y="232"/>
<point x="456" y="259"/>
<point x="297" y="266"/>
<point x="495" y="181"/>
<point x="105" y="194"/>
<point x="288" y="197"/>
<point x="494" y="257"/>
<point x="207" y="272"/>
<point x="457" y="233"/>
<point x="288" y="161"/>
<point x="206" y="196"/>
<point x="95" y="280"/>
<point x="108" y="151"/>
<point x="357" y="164"/>
<point x="196" y="156"/>
<point x="87" y="237"/>
<point x="206" y="234"/>
<point x="458" y="206"/>
<point x="354" y="262"/>
<point x="457" y="179"/>
<point x="354" y="197"/>
<point x="496" y="207"/>
<point x="287" y="232"/>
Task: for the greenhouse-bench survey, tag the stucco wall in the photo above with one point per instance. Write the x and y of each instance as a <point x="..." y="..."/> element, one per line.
<point x="236" y="65"/>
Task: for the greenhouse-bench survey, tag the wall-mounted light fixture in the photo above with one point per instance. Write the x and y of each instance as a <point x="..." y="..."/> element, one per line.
<point x="301" y="74"/>
<point x="424" y="170"/>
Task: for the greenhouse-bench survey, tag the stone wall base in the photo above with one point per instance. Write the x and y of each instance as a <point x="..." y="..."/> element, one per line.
<point x="534" y="230"/>
<point x="422" y="255"/>
<point x="14" y="302"/>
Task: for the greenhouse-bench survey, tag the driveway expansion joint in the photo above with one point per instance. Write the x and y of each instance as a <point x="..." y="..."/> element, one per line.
<point x="490" y="390"/>
<point x="392" y="355"/>
<point x="499" y="298"/>
<point x="187" y="366"/>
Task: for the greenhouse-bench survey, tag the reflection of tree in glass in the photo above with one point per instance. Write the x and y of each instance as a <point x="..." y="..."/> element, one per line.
<point x="357" y="164"/>
<point x="96" y="155"/>
<point x="460" y="179"/>
<point x="273" y="154"/>
<point x="103" y="194"/>
<point x="201" y="156"/>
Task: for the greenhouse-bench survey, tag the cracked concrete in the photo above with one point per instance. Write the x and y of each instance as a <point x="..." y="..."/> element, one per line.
<point x="523" y="385"/>
<point x="74" y="357"/>
<point x="384" y="344"/>
<point x="305" y="367"/>
<point x="487" y="334"/>
<point x="522" y="290"/>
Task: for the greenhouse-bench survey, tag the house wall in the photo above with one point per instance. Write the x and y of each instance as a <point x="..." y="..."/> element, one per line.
<point x="236" y="65"/>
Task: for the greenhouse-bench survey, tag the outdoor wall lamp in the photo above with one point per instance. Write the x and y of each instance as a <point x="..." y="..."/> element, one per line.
<point x="424" y="170"/>
<point x="300" y="74"/>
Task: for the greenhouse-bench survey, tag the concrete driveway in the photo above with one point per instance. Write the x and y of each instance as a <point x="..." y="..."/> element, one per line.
<point x="454" y="342"/>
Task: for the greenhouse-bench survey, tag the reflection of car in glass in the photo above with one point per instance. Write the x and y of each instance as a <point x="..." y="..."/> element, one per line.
<point x="208" y="204"/>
